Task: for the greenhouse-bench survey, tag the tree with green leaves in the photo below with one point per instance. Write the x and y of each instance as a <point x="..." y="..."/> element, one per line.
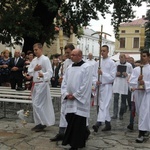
<point x="33" y="20"/>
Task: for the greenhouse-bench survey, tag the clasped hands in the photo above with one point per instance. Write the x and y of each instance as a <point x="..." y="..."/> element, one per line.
<point x="5" y="66"/>
<point x="123" y="73"/>
<point x="14" y="68"/>
<point x="70" y="97"/>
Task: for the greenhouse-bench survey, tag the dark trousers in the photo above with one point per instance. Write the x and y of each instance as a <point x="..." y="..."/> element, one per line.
<point x="15" y="82"/>
<point x="123" y="106"/>
<point x="132" y="113"/>
<point x="54" y="82"/>
<point x="129" y="99"/>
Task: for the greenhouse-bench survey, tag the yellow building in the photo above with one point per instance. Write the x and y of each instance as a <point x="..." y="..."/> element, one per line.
<point x="132" y="36"/>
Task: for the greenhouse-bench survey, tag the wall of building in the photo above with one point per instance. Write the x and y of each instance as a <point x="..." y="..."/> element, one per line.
<point x="90" y="44"/>
<point x="129" y="36"/>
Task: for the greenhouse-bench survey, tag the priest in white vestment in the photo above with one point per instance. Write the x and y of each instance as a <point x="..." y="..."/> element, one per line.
<point x="41" y="70"/>
<point x="141" y="84"/>
<point x="107" y="74"/>
<point x="76" y="92"/>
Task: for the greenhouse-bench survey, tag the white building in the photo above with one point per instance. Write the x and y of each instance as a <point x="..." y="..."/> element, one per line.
<point x="89" y="43"/>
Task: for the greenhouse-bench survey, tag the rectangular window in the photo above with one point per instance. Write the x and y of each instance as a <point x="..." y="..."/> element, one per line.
<point x="136" y="42"/>
<point x="136" y="31"/>
<point x="123" y="31"/>
<point x="122" y="42"/>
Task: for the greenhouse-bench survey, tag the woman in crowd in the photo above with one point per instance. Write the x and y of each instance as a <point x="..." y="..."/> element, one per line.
<point x="4" y="69"/>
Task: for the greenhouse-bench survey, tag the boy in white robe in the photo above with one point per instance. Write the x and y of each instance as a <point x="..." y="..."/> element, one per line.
<point x="63" y="123"/>
<point x="107" y="74"/>
<point x="41" y="70"/>
<point x="140" y="80"/>
<point x="76" y="92"/>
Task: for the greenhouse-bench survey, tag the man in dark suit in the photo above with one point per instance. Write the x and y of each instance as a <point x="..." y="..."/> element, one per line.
<point x="16" y="66"/>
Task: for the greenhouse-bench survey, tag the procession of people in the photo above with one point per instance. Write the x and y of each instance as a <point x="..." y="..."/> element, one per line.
<point x="77" y="78"/>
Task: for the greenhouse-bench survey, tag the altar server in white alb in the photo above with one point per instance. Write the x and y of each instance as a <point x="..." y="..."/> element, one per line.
<point x="142" y="83"/>
<point x="41" y="70"/>
<point x="76" y="92"/>
<point x="90" y="59"/>
<point x="107" y="74"/>
<point x="121" y="86"/>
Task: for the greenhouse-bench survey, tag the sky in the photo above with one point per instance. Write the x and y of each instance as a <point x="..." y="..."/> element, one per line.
<point x="107" y="27"/>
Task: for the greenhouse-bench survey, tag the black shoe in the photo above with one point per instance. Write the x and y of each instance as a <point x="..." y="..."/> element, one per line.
<point x="140" y="139"/>
<point x="95" y="128"/>
<point x="40" y="128"/>
<point x="87" y="134"/>
<point x="120" y="117"/>
<point x="34" y="128"/>
<point x="58" y="137"/>
<point x="114" y="117"/>
<point x="106" y="128"/>
<point x="130" y="127"/>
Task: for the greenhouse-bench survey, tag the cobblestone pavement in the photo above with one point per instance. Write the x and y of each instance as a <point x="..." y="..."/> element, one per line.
<point x="15" y="136"/>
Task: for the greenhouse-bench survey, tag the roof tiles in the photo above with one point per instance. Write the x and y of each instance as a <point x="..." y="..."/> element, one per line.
<point x="137" y="22"/>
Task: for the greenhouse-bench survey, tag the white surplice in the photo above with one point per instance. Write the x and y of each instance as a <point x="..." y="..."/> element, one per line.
<point x="43" y="111"/>
<point x="108" y="68"/>
<point x="121" y="84"/>
<point x="144" y="101"/>
<point x="77" y="81"/>
<point x="90" y="61"/>
<point x="63" y="122"/>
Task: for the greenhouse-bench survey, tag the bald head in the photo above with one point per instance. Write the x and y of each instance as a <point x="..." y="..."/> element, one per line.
<point x="90" y="56"/>
<point x="76" y="55"/>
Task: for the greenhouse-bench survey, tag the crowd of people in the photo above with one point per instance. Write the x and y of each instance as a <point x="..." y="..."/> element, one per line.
<point x="78" y="78"/>
<point x="13" y="70"/>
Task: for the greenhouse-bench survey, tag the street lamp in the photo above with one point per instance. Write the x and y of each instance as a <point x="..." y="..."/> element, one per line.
<point x="61" y="39"/>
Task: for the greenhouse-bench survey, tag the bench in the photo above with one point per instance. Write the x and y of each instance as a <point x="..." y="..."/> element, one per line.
<point x="13" y="96"/>
<point x="6" y="93"/>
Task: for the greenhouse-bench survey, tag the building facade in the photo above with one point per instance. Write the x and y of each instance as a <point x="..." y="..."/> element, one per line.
<point x="89" y="43"/>
<point x="132" y="36"/>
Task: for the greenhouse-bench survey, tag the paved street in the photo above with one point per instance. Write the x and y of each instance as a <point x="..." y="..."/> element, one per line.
<point x="15" y="136"/>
